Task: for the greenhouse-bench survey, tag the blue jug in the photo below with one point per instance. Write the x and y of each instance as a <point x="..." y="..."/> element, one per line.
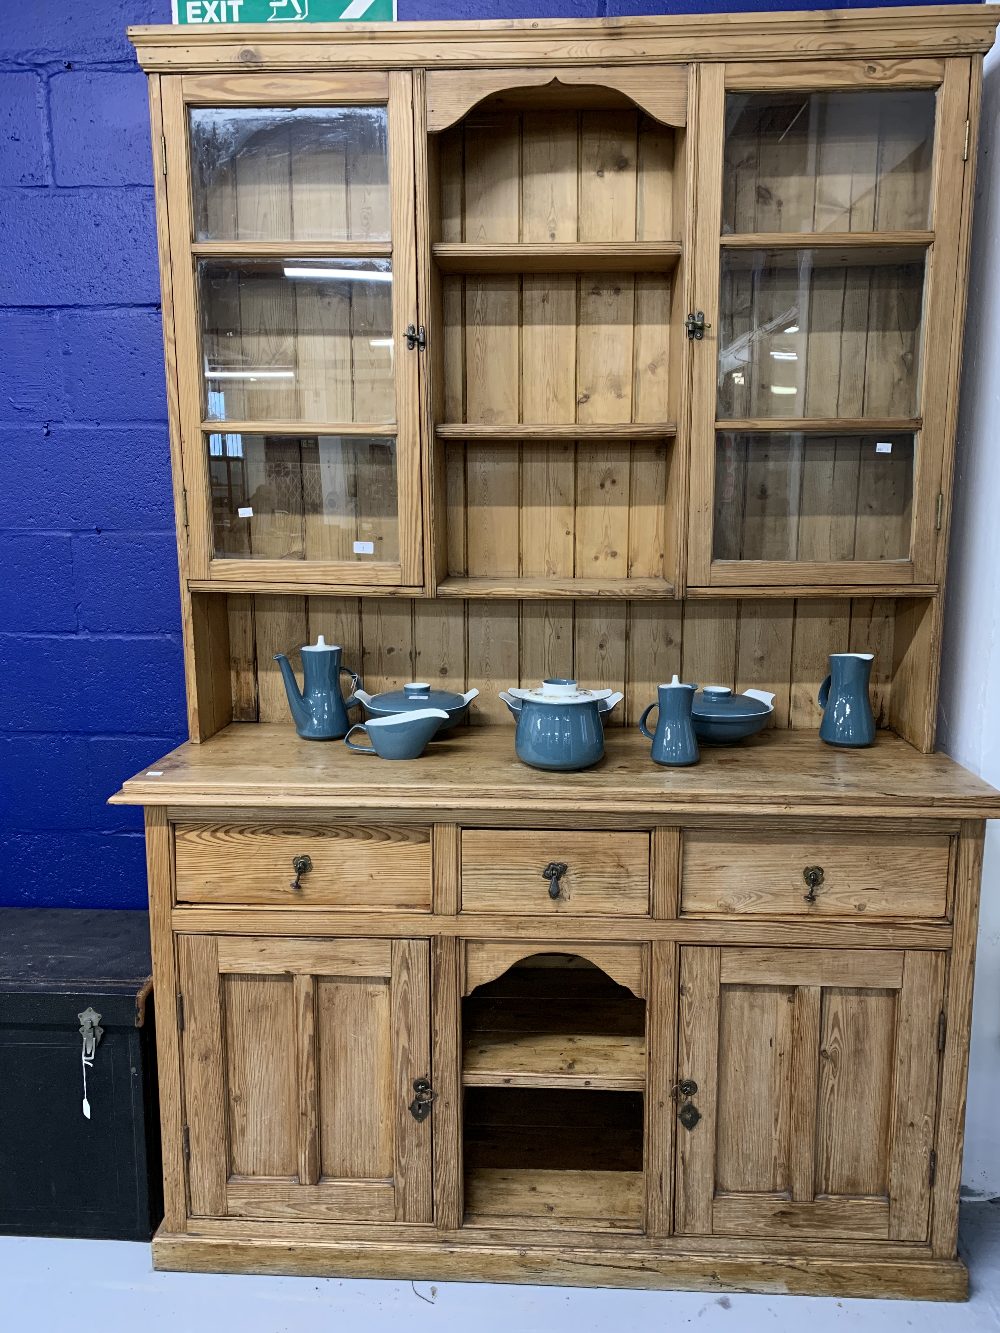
<point x="674" y="742"/>
<point x="843" y="696"/>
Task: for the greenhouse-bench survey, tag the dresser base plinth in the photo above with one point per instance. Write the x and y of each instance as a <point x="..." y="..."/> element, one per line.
<point x="923" y="1279"/>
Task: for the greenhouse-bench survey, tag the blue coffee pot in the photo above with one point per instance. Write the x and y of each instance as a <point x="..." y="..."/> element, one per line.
<point x="319" y="709"/>
<point x="674" y="742"/>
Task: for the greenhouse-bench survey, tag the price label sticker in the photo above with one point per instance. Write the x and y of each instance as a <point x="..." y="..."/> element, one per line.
<point x="364" y="548"/>
<point x="883" y="447"/>
<point x="245" y="512"/>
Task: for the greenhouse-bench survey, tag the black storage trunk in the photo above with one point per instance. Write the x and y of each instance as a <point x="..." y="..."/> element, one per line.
<point x="60" y="1173"/>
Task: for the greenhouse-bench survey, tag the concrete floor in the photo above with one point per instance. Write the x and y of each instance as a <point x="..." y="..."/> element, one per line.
<point x="62" y="1286"/>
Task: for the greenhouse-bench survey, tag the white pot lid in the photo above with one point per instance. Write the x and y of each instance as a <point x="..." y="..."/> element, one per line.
<point x="560" y="692"/>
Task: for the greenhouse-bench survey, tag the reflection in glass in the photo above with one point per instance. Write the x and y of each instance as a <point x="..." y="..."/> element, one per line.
<point x="325" y="497"/>
<point x="838" y="161"/>
<point x="279" y="173"/>
<point x="297" y="340"/>
<point x="802" y="333"/>
<point x="796" y="496"/>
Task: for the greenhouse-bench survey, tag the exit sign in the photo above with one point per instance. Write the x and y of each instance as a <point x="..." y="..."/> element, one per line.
<point x="208" y="12"/>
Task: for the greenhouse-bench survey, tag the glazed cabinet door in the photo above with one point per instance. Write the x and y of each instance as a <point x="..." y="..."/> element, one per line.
<point x="291" y="223"/>
<point x="300" y="1057"/>
<point x="830" y="200"/>
<point x="811" y="1105"/>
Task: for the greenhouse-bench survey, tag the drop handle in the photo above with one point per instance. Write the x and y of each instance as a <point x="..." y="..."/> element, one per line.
<point x="813" y="876"/>
<point x="301" y="865"/>
<point x="554" y="872"/>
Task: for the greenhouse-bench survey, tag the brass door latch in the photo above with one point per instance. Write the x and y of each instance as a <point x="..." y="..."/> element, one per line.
<point x="688" y="1115"/>
<point x="420" y="1107"/>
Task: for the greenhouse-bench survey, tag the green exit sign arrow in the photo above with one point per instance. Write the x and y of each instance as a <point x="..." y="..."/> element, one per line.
<point x="209" y="12"/>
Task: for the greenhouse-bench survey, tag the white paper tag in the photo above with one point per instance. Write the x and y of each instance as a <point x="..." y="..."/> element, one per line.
<point x="883" y="447"/>
<point x="364" y="548"/>
<point x="245" y="513"/>
<point x="154" y="772"/>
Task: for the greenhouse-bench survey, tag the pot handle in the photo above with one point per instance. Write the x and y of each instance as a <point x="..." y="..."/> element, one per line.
<point x="355" y="682"/>
<point x="642" y="721"/>
<point x="358" y="749"/>
<point x="612" y="701"/>
<point x="824" y="692"/>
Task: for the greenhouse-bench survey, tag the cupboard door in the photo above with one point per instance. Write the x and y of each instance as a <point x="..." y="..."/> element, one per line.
<point x="300" y="1057"/>
<point x="817" y="1077"/>
<point x="827" y="269"/>
<point x="292" y="238"/>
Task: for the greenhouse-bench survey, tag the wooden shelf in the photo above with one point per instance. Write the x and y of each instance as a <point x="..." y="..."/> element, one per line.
<point x="525" y="432"/>
<point x="362" y="429"/>
<point x="554" y="1060"/>
<point x="822" y="425"/>
<point x="557" y="257"/>
<point x="515" y="589"/>
<point x="606" y="1200"/>
<point x="292" y="249"/>
<point x="840" y="249"/>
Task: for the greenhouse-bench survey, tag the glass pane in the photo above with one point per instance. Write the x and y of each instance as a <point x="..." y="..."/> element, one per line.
<point x="828" y="161"/>
<point x="297" y="340"/>
<point x="309" y="497"/>
<point x="805" y="334"/>
<point x="792" y="496"/>
<point x="283" y="174"/>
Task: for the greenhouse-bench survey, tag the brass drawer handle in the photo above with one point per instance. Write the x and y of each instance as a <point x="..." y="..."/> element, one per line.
<point x="554" y="872"/>
<point x="301" y="865"/>
<point x="813" y="876"/>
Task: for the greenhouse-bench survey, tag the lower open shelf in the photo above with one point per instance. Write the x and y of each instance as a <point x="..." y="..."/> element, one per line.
<point x="569" y="1155"/>
<point x="600" y="1200"/>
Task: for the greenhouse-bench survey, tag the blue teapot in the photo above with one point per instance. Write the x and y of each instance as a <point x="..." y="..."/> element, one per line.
<point x="319" y="709"/>
<point x="559" y="725"/>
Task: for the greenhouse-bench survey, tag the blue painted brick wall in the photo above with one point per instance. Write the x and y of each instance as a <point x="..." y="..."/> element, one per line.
<point x="90" y="654"/>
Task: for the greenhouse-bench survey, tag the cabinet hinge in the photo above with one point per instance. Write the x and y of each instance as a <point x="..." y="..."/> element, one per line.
<point x="965" y="147"/>
<point x="180" y="1013"/>
<point x="184" y="506"/>
<point x="942" y="1031"/>
<point x="186" y="1142"/>
<point x="932" y="1168"/>
<point x="163" y="152"/>
<point x="939" y="512"/>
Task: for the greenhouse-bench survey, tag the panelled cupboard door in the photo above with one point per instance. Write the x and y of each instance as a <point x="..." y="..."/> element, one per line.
<point x="300" y="1057"/>
<point x="817" y="1078"/>
<point x="830" y="205"/>
<point x="293" y="262"/>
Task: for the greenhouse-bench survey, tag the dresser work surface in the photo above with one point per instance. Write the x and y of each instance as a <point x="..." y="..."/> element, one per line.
<point x="476" y="769"/>
<point x="614" y="352"/>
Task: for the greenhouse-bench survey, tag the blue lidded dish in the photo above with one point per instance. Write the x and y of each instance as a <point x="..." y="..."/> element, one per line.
<point x="720" y="717"/>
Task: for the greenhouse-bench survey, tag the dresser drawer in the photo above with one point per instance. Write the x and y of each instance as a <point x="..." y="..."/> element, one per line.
<point x="356" y="866"/>
<point x="736" y="872"/>
<point x="607" y="874"/>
